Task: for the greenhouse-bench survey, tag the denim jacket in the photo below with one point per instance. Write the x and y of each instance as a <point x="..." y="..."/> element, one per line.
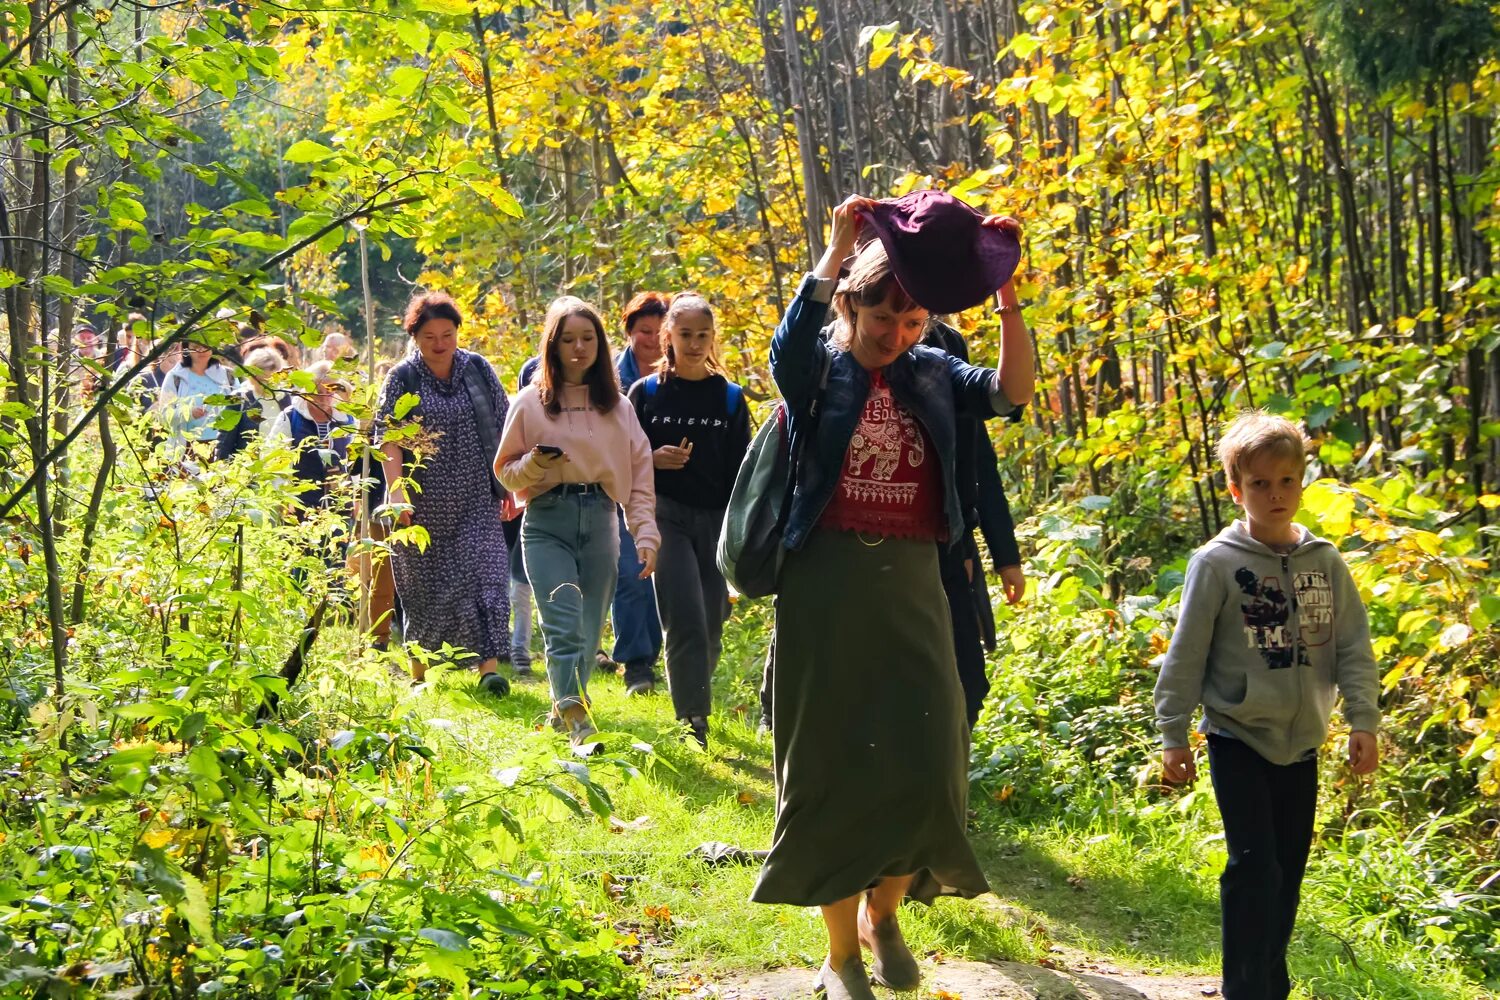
<point x="932" y="386"/>
<point x="628" y="368"/>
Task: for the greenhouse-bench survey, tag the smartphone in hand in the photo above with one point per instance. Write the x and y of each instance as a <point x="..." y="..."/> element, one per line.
<point x="550" y="450"/>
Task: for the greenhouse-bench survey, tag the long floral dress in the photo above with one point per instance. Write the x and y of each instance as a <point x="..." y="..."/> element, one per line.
<point x="457" y="590"/>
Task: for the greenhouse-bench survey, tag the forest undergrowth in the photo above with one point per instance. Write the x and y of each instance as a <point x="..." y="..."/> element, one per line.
<point x="187" y="819"/>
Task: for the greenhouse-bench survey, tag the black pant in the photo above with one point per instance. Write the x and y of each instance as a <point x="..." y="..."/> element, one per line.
<point x="1268" y="814"/>
<point x="968" y="647"/>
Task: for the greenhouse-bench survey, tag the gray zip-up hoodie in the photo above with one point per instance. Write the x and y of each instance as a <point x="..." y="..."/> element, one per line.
<point x="1262" y="642"/>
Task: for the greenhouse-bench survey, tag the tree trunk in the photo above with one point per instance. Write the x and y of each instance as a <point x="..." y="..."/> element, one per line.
<point x="814" y="179"/>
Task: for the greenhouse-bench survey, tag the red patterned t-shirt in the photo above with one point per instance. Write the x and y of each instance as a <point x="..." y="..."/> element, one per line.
<point x="890" y="484"/>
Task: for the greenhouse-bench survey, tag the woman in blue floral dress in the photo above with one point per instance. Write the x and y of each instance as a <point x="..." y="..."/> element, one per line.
<point x="454" y="591"/>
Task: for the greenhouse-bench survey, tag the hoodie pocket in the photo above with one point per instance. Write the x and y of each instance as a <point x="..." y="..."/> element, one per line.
<point x="1267" y="699"/>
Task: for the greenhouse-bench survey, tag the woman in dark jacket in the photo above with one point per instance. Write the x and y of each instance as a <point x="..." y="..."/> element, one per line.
<point x="870" y="743"/>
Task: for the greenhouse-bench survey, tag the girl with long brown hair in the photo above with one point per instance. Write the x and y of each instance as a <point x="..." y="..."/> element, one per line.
<point x="571" y="452"/>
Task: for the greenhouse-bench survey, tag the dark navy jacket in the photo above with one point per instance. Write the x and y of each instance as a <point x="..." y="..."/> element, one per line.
<point x="932" y="386"/>
<point x="317" y="462"/>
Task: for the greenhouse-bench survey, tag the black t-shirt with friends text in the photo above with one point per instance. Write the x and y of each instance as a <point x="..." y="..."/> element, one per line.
<point x="698" y="410"/>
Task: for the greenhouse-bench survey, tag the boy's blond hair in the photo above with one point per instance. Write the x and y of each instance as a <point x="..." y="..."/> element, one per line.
<point x="1254" y="433"/>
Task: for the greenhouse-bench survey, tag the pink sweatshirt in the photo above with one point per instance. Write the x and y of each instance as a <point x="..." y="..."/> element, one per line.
<point x="605" y="448"/>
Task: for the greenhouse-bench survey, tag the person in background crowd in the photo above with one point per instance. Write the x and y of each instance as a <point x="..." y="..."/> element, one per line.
<point x="87" y="346"/>
<point x="985" y="508"/>
<point x="871" y="751"/>
<point x="633" y="612"/>
<point x="372" y="566"/>
<point x="455" y="590"/>
<point x="312" y="424"/>
<point x="335" y="347"/>
<point x="644" y="315"/>
<point x="318" y="436"/>
<point x="289" y="354"/>
<point x="244" y="343"/>
<point x="185" y="399"/>
<point x="256" y="403"/>
<point x="520" y="588"/>
<point x="148" y="386"/>
<point x="132" y="343"/>
<point x="699" y="429"/>
<point x="572" y="452"/>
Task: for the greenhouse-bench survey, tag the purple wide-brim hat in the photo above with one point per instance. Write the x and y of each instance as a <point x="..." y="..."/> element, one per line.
<point x="944" y="259"/>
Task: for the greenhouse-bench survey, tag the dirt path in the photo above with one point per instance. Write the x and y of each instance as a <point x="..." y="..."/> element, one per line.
<point x="1075" y="978"/>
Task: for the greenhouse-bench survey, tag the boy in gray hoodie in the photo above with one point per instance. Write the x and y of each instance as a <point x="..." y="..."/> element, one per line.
<point x="1271" y="627"/>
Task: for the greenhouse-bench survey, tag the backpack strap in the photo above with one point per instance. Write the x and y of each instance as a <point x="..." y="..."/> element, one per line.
<point x="411" y="380"/>
<point x="652" y="383"/>
<point x="484" y="402"/>
<point x="733" y="396"/>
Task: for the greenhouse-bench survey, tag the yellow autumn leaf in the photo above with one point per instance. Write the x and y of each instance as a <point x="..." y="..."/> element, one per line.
<point x="157" y="838"/>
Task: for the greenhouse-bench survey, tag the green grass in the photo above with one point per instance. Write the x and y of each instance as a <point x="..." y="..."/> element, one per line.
<point x="1135" y="894"/>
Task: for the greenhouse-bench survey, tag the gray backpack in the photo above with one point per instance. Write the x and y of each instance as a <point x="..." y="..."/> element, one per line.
<point x="750" y="550"/>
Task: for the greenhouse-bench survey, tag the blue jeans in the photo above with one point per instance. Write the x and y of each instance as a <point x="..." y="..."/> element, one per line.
<point x="571" y="544"/>
<point x="637" y="628"/>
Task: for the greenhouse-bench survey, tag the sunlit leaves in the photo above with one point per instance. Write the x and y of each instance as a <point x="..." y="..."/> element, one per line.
<point x="308" y="151"/>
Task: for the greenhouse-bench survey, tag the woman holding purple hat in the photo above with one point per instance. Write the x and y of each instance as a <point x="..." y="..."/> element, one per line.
<point x="871" y="744"/>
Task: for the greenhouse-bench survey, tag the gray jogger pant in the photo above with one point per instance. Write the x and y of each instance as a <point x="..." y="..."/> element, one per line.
<point x="693" y="601"/>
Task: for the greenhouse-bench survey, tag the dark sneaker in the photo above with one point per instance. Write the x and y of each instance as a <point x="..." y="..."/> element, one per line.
<point x="494" y="684"/>
<point x="638" y="672"/>
<point x="521" y="667"/>
<point x="698" y="726"/>
<point x="603" y="663"/>
<point x="639" y="686"/>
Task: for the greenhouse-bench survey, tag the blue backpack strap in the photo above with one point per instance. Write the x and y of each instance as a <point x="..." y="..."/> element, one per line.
<point x="733" y="394"/>
<point x="651" y="384"/>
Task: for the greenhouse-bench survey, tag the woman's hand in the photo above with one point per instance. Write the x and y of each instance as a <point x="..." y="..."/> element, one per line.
<point x="672" y="456"/>
<point x="547" y="461"/>
<point x="842" y="233"/>
<point x="648" y="562"/>
<point x="199" y="412"/>
<point x="1013" y="582"/>
<point x="846" y="222"/>
<point x="1007" y="224"/>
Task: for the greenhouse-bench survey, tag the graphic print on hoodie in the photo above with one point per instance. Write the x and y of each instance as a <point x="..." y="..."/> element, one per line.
<point x="1267" y="610"/>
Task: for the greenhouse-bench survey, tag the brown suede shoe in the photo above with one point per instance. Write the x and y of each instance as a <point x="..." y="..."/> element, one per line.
<point x="894" y="966"/>
<point x="849" y="983"/>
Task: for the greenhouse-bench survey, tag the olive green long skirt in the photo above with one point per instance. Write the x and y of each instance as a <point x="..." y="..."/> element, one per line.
<point x="871" y="746"/>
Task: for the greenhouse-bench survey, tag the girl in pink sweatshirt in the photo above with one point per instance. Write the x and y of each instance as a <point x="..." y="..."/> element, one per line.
<point x="571" y="450"/>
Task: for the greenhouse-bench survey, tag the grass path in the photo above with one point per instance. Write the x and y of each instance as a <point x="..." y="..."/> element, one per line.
<point x="1085" y="913"/>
